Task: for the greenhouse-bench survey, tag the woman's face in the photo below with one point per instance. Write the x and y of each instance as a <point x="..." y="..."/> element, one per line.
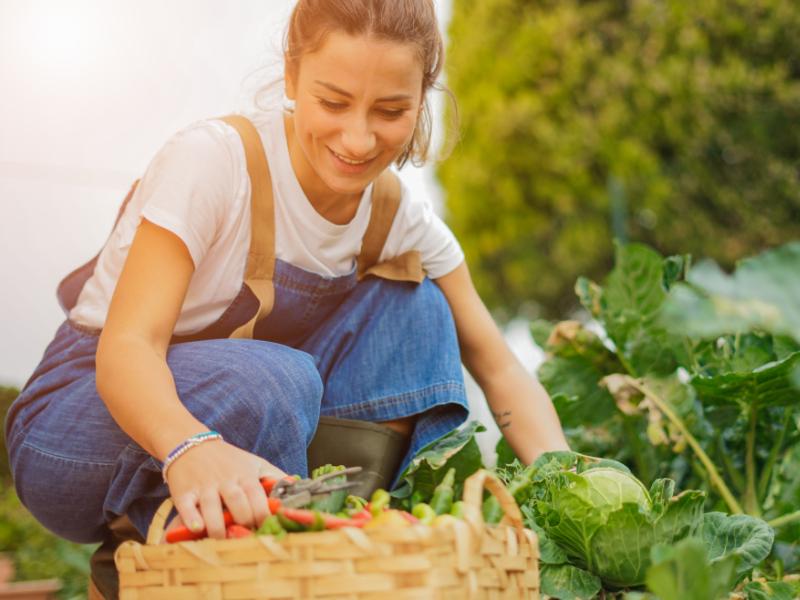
<point x="357" y="100"/>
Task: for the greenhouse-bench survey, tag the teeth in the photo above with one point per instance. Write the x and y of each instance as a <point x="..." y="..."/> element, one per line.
<point x="349" y="161"/>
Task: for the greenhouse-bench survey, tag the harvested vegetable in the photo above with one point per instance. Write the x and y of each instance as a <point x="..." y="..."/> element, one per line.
<point x="389" y="518"/>
<point x="443" y="494"/>
<point x="424" y="512"/>
<point x="379" y="502"/>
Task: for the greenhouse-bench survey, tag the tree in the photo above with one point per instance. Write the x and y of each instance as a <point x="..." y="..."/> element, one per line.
<point x="668" y="122"/>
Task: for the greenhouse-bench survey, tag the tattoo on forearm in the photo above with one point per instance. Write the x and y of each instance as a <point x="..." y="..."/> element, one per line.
<point x="503" y="419"/>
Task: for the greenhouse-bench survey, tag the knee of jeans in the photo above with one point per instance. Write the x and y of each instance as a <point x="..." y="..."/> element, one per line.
<point x="70" y="511"/>
<point x="286" y="389"/>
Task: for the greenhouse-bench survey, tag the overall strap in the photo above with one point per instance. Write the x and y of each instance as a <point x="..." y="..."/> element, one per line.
<point x="261" y="255"/>
<point x="386" y="195"/>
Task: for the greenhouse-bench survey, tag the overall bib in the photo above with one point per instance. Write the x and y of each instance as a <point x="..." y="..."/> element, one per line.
<point x="377" y="344"/>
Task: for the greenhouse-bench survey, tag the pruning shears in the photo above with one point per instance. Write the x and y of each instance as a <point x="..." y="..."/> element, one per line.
<point x="288" y="492"/>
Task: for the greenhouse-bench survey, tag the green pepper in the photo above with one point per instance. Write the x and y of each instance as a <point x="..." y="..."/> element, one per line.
<point x="443" y="494"/>
<point x="457" y="510"/>
<point x="424" y="512"/>
<point x="272" y="526"/>
<point x="354" y="505"/>
<point x="379" y="502"/>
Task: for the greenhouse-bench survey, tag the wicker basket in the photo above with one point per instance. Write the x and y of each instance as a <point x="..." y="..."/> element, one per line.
<point x="466" y="559"/>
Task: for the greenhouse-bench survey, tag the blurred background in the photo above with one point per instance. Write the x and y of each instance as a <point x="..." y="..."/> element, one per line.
<point x="672" y="123"/>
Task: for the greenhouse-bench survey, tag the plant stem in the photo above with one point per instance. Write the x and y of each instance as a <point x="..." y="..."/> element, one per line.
<point x="638" y="457"/>
<point x="730" y="470"/>
<point x="766" y="472"/>
<point x="713" y="474"/>
<point x="750" y="499"/>
<point x="784" y="520"/>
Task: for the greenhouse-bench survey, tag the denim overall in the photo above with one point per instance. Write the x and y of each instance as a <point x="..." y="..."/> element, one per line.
<point x="360" y="346"/>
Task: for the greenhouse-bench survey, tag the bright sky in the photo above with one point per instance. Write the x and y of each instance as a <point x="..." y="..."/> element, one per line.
<point x="90" y="91"/>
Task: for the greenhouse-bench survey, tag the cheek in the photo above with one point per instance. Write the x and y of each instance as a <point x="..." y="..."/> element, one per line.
<point x="399" y="133"/>
<point x="312" y="122"/>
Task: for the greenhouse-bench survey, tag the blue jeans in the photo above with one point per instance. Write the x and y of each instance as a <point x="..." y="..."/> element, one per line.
<point x="378" y="350"/>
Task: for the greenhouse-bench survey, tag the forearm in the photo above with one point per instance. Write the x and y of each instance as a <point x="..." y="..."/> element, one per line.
<point x="523" y="412"/>
<point x="138" y="388"/>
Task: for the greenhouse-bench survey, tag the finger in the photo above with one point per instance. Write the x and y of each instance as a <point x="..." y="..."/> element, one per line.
<point x="186" y="505"/>
<point x="211" y="509"/>
<point x="237" y="502"/>
<point x="257" y="499"/>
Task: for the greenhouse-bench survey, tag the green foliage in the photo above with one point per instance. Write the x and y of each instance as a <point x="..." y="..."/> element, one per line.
<point x="683" y="572"/>
<point x="725" y="419"/>
<point x="607" y="522"/>
<point x="38" y="554"/>
<point x="599" y="528"/>
<point x="457" y="450"/>
<point x="568" y="583"/>
<point x="772" y="590"/>
<point x="663" y="122"/>
<point x="7" y="395"/>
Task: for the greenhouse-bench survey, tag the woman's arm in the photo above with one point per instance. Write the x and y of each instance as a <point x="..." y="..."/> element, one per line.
<point x="520" y="405"/>
<point x="134" y="380"/>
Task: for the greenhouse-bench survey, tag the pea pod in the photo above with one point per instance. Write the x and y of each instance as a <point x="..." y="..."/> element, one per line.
<point x="443" y="494"/>
<point x="424" y="512"/>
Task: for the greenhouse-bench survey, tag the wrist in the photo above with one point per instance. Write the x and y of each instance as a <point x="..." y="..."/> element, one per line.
<point x="185" y="446"/>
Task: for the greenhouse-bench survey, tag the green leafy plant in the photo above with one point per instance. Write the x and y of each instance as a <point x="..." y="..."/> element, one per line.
<point x="457" y="450"/>
<point x="690" y="373"/>
<point x="599" y="529"/>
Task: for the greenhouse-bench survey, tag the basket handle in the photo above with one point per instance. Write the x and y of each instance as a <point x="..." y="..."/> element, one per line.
<point x="473" y="497"/>
<point x="156" y="530"/>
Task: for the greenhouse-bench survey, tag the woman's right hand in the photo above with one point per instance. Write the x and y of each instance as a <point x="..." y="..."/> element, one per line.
<point x="215" y="472"/>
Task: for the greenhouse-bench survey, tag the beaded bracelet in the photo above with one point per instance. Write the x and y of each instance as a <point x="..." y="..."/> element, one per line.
<point x="190" y="442"/>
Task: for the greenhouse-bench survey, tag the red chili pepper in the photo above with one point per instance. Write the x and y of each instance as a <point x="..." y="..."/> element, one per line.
<point x="184" y="534"/>
<point x="364" y="515"/>
<point x="237" y="531"/>
<point x="409" y="517"/>
<point x="307" y="517"/>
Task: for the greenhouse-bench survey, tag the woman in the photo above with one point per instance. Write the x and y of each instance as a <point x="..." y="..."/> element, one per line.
<point x="168" y="365"/>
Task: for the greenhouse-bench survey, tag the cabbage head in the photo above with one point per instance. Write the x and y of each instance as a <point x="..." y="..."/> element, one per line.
<point x="605" y="520"/>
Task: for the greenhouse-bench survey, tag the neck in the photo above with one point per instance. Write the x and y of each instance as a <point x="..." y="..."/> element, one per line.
<point x="336" y="207"/>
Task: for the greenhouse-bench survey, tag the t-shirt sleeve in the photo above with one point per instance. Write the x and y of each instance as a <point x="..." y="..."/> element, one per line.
<point x="186" y="185"/>
<point x="417" y="227"/>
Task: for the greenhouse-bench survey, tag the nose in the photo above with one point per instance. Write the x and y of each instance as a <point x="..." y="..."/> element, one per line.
<point x="358" y="139"/>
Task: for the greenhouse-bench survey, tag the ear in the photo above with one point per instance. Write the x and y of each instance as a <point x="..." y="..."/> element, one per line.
<point x="289" y="78"/>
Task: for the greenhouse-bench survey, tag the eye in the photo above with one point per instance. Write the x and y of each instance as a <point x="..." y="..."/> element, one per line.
<point x="332" y="105"/>
<point x="392" y="113"/>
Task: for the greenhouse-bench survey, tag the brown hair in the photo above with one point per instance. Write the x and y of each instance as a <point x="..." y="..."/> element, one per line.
<point x="405" y="21"/>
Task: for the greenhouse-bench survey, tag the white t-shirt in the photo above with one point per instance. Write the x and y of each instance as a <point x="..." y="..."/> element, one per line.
<point x="197" y="187"/>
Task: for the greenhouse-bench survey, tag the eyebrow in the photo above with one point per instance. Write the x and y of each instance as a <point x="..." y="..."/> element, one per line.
<point x="339" y="90"/>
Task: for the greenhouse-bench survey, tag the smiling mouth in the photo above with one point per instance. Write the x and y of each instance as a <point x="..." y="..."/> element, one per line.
<point x="350" y="161"/>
